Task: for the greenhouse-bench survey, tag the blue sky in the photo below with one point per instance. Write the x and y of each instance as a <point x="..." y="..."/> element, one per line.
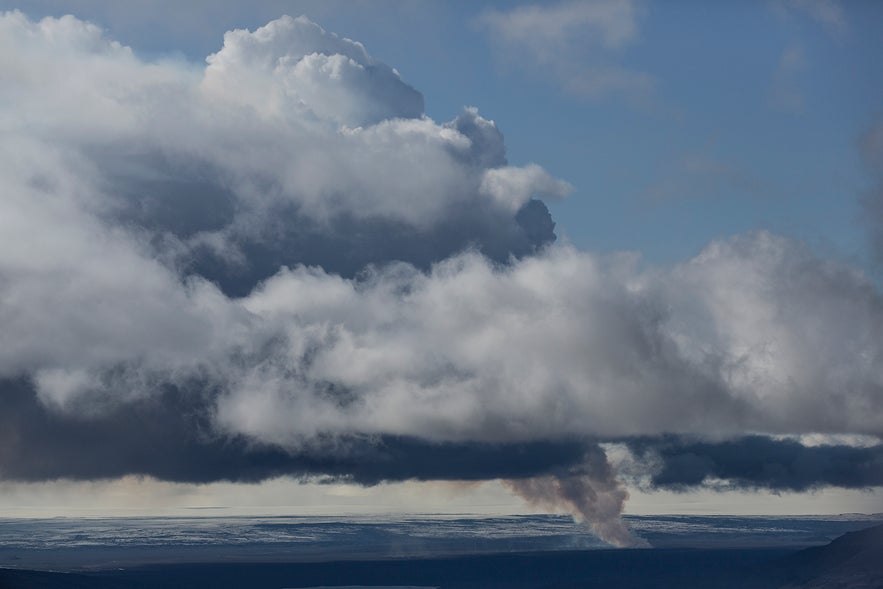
<point x="750" y="120"/>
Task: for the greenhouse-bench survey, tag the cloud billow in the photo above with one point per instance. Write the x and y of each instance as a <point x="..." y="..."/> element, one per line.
<point x="575" y="44"/>
<point x="276" y="264"/>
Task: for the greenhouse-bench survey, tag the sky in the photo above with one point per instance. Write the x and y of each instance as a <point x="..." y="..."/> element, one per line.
<point x="581" y="257"/>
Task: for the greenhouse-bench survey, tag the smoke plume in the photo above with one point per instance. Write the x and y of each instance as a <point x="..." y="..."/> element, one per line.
<point x="588" y="491"/>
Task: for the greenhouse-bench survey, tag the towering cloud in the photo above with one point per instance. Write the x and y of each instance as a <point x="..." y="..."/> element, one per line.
<point x="291" y="146"/>
<point x="293" y="68"/>
<point x="276" y="264"/>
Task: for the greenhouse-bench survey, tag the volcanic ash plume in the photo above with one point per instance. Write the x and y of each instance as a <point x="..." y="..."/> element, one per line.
<point x="589" y="492"/>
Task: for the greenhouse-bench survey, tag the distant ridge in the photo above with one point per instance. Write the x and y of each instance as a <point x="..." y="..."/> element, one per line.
<point x="852" y="561"/>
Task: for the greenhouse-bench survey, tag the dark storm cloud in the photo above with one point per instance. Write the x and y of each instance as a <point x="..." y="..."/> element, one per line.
<point x="346" y="245"/>
<point x="170" y="437"/>
<point x="179" y="207"/>
<point x="758" y="462"/>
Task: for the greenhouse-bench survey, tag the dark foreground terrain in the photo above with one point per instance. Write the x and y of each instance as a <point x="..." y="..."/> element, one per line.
<point x="592" y="568"/>
<point x="852" y="561"/>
